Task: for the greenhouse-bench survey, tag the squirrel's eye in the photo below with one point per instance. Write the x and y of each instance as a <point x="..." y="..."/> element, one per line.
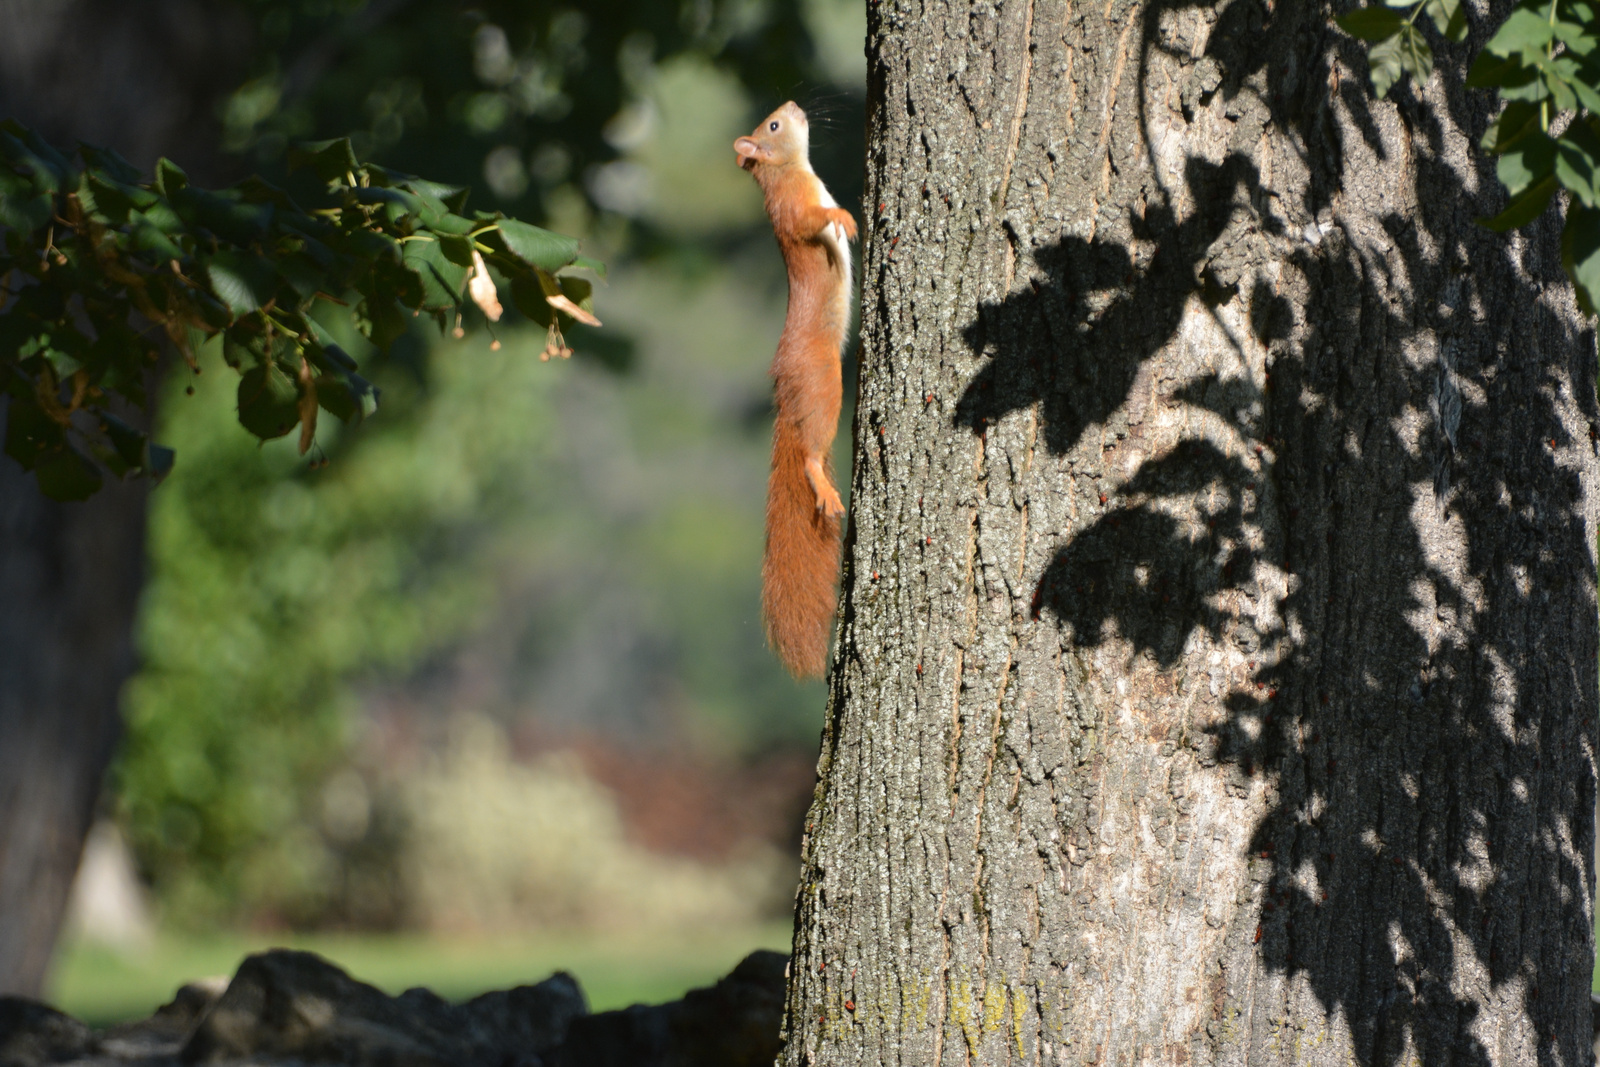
<point x="773" y="126"/>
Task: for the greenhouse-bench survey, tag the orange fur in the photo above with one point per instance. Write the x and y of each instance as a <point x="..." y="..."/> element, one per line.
<point x="801" y="565"/>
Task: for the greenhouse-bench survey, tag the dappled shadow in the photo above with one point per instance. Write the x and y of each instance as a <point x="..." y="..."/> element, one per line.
<point x="1099" y="310"/>
<point x="1387" y="531"/>
<point x="1141" y="569"/>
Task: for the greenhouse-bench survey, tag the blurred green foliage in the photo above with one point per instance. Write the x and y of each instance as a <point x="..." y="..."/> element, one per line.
<point x="271" y="586"/>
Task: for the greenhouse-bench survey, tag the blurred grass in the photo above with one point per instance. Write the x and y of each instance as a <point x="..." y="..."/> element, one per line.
<point x="104" y="986"/>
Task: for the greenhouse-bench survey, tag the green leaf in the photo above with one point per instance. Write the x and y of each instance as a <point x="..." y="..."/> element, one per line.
<point x="578" y="290"/>
<point x="1586" y="85"/>
<point x="1519" y="119"/>
<point x="302" y="273"/>
<point x="241" y="280"/>
<point x="127" y="443"/>
<point x="330" y="160"/>
<point x="257" y="190"/>
<point x="24" y="151"/>
<point x="63" y="362"/>
<point x="436" y="191"/>
<point x="1449" y="18"/>
<point x="441" y="279"/>
<point x="1371" y="23"/>
<point x="1524" y="208"/>
<point x="1580" y="252"/>
<point x="20" y="207"/>
<point x="1556" y="84"/>
<point x="1525" y="31"/>
<point x="393" y="279"/>
<point x="457" y="250"/>
<point x="147" y="237"/>
<point x="447" y="222"/>
<point x="170" y="178"/>
<point x="1527" y="161"/>
<point x="1577" y="165"/>
<point x="269" y="401"/>
<point x="165" y="219"/>
<point x="229" y="217"/>
<point x="527" y="296"/>
<point x="1490" y="71"/>
<point x="389" y="323"/>
<point x="586" y="263"/>
<point x="67" y="474"/>
<point x="330" y="348"/>
<point x="110" y="163"/>
<point x="112" y="194"/>
<point x="336" y="397"/>
<point x="397" y="202"/>
<point x="1405" y="52"/>
<point x="536" y="246"/>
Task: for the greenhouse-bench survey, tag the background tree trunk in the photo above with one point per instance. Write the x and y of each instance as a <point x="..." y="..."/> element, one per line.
<point x="1217" y="667"/>
<point x="143" y="79"/>
<point x="69" y="581"/>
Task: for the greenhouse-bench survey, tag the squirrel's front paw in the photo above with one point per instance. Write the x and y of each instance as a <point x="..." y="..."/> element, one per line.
<point x="846" y="221"/>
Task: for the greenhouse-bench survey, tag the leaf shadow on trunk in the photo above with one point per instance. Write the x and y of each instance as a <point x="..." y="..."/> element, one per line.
<point x="1421" y="859"/>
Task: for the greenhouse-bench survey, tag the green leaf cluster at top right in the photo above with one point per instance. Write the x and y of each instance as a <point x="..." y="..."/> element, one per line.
<point x="1544" y="62"/>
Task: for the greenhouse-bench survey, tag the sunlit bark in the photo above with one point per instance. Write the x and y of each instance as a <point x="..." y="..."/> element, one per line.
<point x="1217" y="672"/>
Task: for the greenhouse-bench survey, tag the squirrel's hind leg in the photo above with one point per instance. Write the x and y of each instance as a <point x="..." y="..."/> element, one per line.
<point x="828" y="501"/>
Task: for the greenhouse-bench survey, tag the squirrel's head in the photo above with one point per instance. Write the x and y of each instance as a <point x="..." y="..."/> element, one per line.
<point x="783" y="137"/>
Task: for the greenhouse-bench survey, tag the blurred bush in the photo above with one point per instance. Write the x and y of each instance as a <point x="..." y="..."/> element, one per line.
<point x="492" y="845"/>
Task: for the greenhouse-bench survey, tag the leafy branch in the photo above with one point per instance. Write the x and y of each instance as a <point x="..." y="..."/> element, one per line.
<point x="1545" y="64"/>
<point x="1398" y="46"/>
<point x="98" y="268"/>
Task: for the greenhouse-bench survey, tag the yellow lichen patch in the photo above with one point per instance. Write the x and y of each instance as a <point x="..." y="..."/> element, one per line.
<point x="1019" y="1019"/>
<point x="918" y="1001"/>
<point x="961" y="1013"/>
<point x="994" y="1006"/>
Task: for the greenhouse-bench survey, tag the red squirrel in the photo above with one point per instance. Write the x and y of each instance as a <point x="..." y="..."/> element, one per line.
<point x="801" y="565"/>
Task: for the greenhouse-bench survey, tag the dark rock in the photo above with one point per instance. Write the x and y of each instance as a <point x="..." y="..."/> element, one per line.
<point x="284" y="1004"/>
<point x="33" y="1034"/>
<point x="296" y="1005"/>
<point x="734" y="1023"/>
<point x="640" y="1036"/>
<point x="526" y="1023"/>
<point x="190" y="1003"/>
<point x="163" y="1035"/>
<point x="294" y="1008"/>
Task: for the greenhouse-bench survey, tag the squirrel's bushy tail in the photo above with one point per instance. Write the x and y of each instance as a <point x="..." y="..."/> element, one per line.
<point x="801" y="563"/>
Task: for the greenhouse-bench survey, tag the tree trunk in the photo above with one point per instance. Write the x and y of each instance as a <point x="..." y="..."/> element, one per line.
<point x="1216" y="678"/>
<point x="140" y="78"/>
<point x="69" y="580"/>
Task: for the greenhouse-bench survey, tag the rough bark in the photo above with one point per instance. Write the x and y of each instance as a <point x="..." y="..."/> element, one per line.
<point x="1216" y="678"/>
<point x="140" y="78"/>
